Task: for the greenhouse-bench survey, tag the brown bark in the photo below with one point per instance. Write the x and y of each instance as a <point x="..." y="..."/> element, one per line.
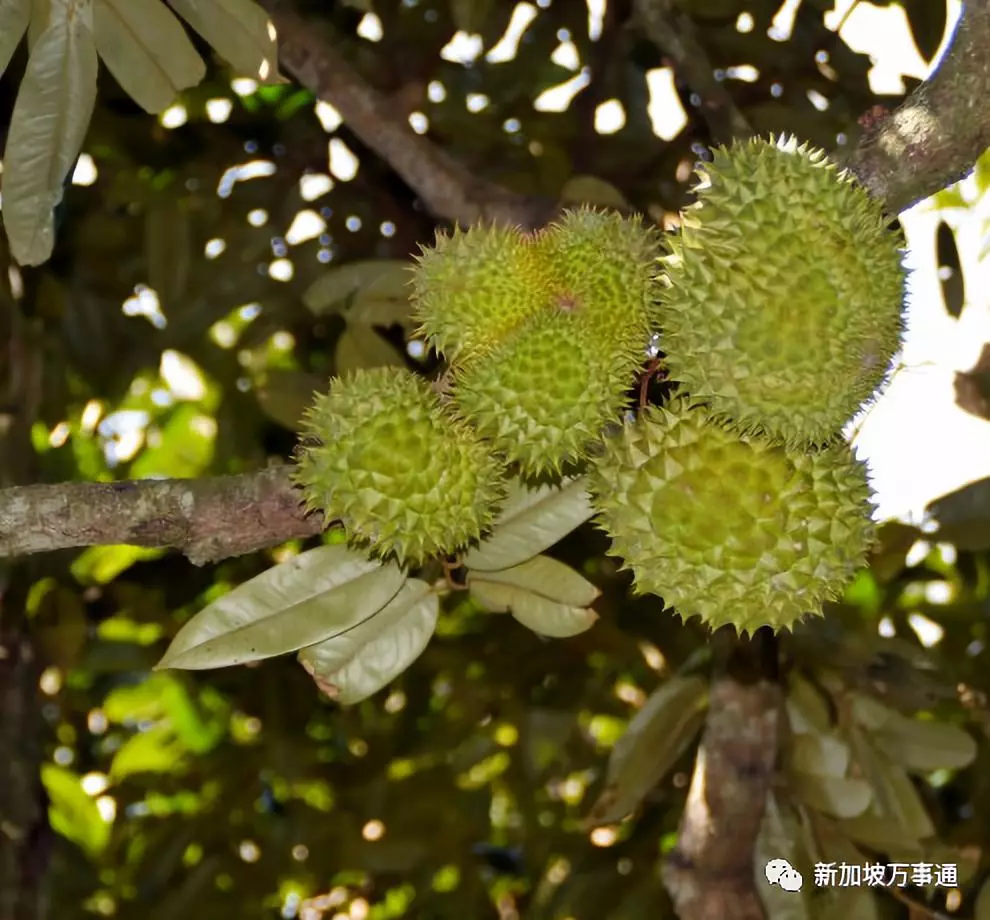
<point x="207" y="519"/>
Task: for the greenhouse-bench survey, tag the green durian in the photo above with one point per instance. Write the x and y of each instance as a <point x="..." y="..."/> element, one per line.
<point x="727" y="526"/>
<point x="404" y="476"/>
<point x="543" y="397"/>
<point x="784" y="292"/>
<point x="473" y="287"/>
<point x="605" y="265"/>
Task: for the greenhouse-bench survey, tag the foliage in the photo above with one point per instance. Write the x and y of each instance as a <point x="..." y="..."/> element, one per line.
<point x="187" y="316"/>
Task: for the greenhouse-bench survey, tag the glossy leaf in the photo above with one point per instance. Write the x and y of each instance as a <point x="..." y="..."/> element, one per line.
<point x="285" y="395"/>
<point x="47" y="128"/>
<point x="592" y="190"/>
<point x="839" y="796"/>
<point x="820" y="754"/>
<point x="358" y="663"/>
<point x="532" y="520"/>
<point x="239" y="30"/>
<point x="548" y="578"/>
<point x="540" y="614"/>
<point x="333" y="288"/>
<point x="146" y="49"/>
<point x="14" y="18"/>
<point x="656" y="737"/>
<point x="72" y="812"/>
<point x="807" y="709"/>
<point x="360" y="346"/>
<point x="311" y="597"/>
<point x="923" y="746"/>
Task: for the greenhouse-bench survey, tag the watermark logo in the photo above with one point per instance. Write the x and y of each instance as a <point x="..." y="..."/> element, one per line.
<point x="781" y="872"/>
<point x="870" y="875"/>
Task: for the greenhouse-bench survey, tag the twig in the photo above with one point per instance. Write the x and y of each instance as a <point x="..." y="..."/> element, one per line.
<point x="672" y="31"/>
<point x="447" y="187"/>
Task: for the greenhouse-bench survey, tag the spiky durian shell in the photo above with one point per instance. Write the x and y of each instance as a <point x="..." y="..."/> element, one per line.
<point x="473" y="287"/>
<point x="380" y="454"/>
<point x="543" y="397"/>
<point x="784" y="305"/>
<point x="605" y="264"/>
<point x="726" y="526"/>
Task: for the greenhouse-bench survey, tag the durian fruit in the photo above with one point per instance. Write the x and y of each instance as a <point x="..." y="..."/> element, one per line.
<point x="726" y="526"/>
<point x="783" y="304"/>
<point x="380" y="454"/>
<point x="543" y="397"/>
<point x="473" y="287"/>
<point x="605" y="264"/>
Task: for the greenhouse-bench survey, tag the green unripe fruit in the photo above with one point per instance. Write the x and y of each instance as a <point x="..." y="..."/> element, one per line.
<point x="605" y="264"/>
<point x="784" y="305"/>
<point x="544" y="396"/>
<point x="472" y="288"/>
<point x="728" y="527"/>
<point x="381" y="455"/>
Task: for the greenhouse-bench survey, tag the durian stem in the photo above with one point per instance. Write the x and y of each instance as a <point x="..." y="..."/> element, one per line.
<point x="710" y="874"/>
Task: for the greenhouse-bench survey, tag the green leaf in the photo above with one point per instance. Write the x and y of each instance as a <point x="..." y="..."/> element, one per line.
<point x="14" y="18"/>
<point x="839" y="796"/>
<point x="358" y="663"/>
<point x="656" y="737"/>
<point x="820" y="754"/>
<point x="239" y="30"/>
<point x="382" y="277"/>
<point x="146" y="49"/>
<point x="807" y="709"/>
<point x="314" y="596"/>
<point x="285" y="395"/>
<point x="850" y="904"/>
<point x="359" y="346"/>
<point x="72" y="812"/>
<point x="963" y="516"/>
<point x="548" y="578"/>
<point x="49" y="123"/>
<point x="592" y="190"/>
<point x="543" y="616"/>
<point x="156" y="750"/>
<point x="923" y="746"/>
<point x="532" y="520"/>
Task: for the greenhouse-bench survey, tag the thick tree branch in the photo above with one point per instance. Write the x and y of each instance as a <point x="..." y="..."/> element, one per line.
<point x="207" y="519"/>
<point x="936" y="135"/>
<point x="709" y="874"/>
<point x="672" y="32"/>
<point x="446" y="186"/>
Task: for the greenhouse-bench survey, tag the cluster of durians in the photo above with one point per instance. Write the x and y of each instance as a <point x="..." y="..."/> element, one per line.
<point x="779" y="309"/>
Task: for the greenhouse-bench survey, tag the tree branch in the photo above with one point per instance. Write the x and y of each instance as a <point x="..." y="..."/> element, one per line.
<point x="672" y="32"/>
<point x="709" y="874"/>
<point x="207" y="519"/>
<point x="446" y="186"/>
<point x="936" y="135"/>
